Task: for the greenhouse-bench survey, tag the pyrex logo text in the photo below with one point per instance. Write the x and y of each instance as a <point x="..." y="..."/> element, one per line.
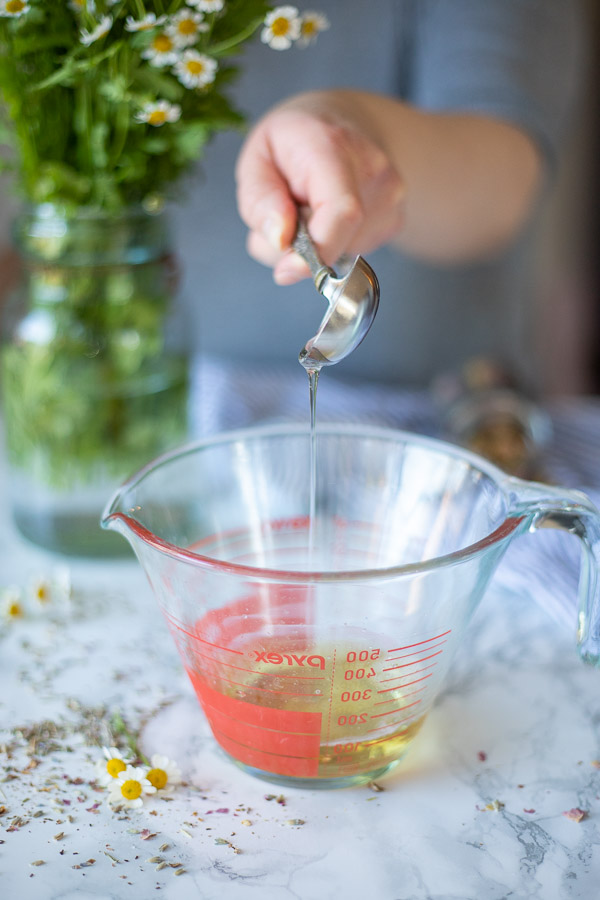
<point x="290" y="659"/>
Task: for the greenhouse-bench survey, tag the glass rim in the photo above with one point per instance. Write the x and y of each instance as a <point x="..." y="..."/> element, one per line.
<point x="500" y="479"/>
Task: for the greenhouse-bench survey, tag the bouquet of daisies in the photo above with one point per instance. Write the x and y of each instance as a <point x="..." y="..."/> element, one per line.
<point x="105" y="103"/>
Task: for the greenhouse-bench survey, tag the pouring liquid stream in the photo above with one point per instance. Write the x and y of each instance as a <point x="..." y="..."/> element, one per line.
<point x="312" y="370"/>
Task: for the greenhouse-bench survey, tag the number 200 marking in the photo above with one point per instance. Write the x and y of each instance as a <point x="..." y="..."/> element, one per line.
<point x="352" y="720"/>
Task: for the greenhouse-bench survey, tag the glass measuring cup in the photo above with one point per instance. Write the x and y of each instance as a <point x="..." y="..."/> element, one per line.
<point x="317" y="652"/>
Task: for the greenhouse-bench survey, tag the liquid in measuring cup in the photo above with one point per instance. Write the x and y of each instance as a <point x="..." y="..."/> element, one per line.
<point x="296" y="712"/>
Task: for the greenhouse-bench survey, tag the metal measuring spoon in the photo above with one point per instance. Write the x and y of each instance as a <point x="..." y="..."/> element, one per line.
<point x="353" y="301"/>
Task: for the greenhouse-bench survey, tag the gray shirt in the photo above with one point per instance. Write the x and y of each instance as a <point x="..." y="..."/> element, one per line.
<point x="516" y="60"/>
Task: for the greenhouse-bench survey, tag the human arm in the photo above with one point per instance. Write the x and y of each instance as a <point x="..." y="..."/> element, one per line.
<point x="446" y="187"/>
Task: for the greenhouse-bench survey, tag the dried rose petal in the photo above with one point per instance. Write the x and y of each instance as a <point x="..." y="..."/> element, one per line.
<point x="576" y="814"/>
<point x="529" y="810"/>
<point x="482" y="755"/>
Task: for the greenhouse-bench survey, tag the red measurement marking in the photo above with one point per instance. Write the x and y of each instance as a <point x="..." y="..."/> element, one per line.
<point x="389" y="725"/>
<point x="415" y="652"/>
<point x="392" y="699"/>
<point x="406" y="683"/>
<point x="285" y="742"/>
<point x="418" y="643"/>
<point x="389" y="737"/>
<point x="176" y="625"/>
<point x="258" y="687"/>
<point x="408" y="675"/>
<point x="276" y="674"/>
<point x="331" y="696"/>
<point x="274" y="763"/>
<point x="398" y="709"/>
<point x="415" y="663"/>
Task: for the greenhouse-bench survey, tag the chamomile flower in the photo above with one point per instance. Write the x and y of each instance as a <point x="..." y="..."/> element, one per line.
<point x="311" y="25"/>
<point x="208" y="5"/>
<point x="159" y="113"/>
<point x="11" y="604"/>
<point x="282" y="27"/>
<point x="195" y="69"/>
<point x="161" y="51"/>
<point x="129" y="788"/>
<point x="164" y="773"/>
<point x="100" y="31"/>
<point x="13" y="8"/>
<point x="111" y="767"/>
<point x="40" y="590"/>
<point x="185" y="27"/>
<point x="149" y="21"/>
<point x="54" y="589"/>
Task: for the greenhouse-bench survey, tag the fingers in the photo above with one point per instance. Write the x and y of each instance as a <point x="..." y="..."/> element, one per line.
<point x="295" y="157"/>
<point x="263" y="196"/>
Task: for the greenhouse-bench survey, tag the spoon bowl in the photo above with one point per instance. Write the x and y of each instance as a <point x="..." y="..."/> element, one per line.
<point x="353" y="300"/>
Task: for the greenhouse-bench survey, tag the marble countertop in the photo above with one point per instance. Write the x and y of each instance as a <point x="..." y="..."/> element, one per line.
<point x="483" y="807"/>
<point x="476" y="810"/>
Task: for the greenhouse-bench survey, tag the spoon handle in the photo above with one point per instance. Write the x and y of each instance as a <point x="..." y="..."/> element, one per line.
<point x="304" y="246"/>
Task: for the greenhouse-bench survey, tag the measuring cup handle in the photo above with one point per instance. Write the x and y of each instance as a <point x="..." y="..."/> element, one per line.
<point x="574" y="512"/>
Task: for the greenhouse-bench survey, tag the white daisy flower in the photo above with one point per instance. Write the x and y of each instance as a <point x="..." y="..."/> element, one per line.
<point x="311" y="25"/>
<point x="11" y="604"/>
<point x="129" y="788"/>
<point x="282" y="27"/>
<point x="162" y="50"/>
<point x="53" y="589"/>
<point x="13" y="8"/>
<point x="185" y="27"/>
<point x="111" y="767"/>
<point x="195" y="69"/>
<point x="100" y="31"/>
<point x="208" y="5"/>
<point x="40" y="590"/>
<point x="164" y="774"/>
<point x="159" y="113"/>
<point x="149" y="21"/>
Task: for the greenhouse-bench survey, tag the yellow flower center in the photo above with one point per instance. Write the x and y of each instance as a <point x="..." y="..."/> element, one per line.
<point x="114" y="766"/>
<point x="280" y="26"/>
<point x="162" y="43"/>
<point x="187" y="26"/>
<point x="15" y="6"/>
<point x="158" y="778"/>
<point x="194" y="66"/>
<point x="42" y="593"/>
<point x="308" y="28"/>
<point x="157" y="117"/>
<point x="14" y="610"/>
<point x="131" y="789"/>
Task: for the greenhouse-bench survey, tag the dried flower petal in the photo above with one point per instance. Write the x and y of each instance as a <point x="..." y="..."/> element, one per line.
<point x="576" y="814"/>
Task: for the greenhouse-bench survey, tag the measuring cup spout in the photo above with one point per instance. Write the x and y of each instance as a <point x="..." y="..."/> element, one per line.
<point x="118" y="515"/>
<point x="542" y="506"/>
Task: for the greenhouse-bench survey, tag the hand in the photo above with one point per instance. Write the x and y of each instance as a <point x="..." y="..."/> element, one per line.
<point x="316" y="151"/>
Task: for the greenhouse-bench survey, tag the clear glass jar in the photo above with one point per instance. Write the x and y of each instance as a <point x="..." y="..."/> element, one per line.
<point x="94" y="380"/>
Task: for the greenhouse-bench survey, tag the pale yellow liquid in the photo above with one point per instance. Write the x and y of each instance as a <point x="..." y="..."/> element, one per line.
<point x="358" y="734"/>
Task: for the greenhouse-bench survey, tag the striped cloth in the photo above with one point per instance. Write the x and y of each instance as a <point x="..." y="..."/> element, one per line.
<point x="544" y="565"/>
